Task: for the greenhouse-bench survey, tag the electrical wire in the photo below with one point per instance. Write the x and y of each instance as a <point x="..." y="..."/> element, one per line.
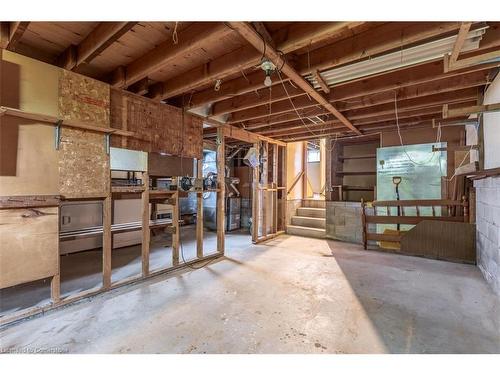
<point x="438" y="136"/>
<point x="175" y="37"/>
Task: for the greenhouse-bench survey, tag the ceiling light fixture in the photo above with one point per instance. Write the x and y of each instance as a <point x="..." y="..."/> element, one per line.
<point x="268" y="67"/>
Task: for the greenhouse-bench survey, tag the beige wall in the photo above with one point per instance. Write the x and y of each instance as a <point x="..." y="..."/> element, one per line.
<point x="294" y="166"/>
<point x="29" y="160"/>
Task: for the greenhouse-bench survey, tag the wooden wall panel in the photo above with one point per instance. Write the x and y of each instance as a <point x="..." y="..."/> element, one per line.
<point x="83" y="98"/>
<point x="29" y="248"/>
<point x="83" y="161"/>
<point x="83" y="164"/>
<point x="159" y="127"/>
<point x="441" y="240"/>
<point x="28" y="158"/>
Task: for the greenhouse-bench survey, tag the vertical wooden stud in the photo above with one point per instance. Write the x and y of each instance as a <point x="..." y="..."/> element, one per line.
<point x="264" y="178"/>
<point x="145" y="225"/>
<point x="284" y="185"/>
<point x="221" y="194"/>
<point x="304" y="168"/>
<point x="107" y="243"/>
<point x="199" y="212"/>
<point x="176" y="233"/>
<point x="255" y="198"/>
<point x="275" y="187"/>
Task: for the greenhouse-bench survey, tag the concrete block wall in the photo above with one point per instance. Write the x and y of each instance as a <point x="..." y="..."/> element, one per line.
<point x="343" y="221"/>
<point x="488" y="229"/>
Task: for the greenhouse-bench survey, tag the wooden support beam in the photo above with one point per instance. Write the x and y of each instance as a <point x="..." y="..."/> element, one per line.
<point x="457" y="47"/>
<point x="199" y="211"/>
<point x="474" y="60"/>
<point x="146" y="233"/>
<point x="419" y="80"/>
<point x="141" y="87"/>
<point x="190" y="39"/>
<point x="247" y="32"/>
<point x="275" y="186"/>
<point x="321" y="82"/>
<point x="15" y="33"/>
<point x="264" y="184"/>
<point x="221" y="194"/>
<point x="458" y="112"/>
<point x="255" y="197"/>
<point x="107" y="241"/>
<point x="100" y="38"/>
<point x="240" y="60"/>
<point x="176" y="228"/>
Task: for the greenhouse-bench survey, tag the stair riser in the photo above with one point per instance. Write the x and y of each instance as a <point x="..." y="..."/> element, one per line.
<point x="305" y="232"/>
<point x="311" y="222"/>
<point x="304" y="211"/>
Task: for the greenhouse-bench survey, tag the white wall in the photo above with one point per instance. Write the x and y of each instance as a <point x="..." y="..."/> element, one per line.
<point x="491" y="123"/>
<point x="294" y="166"/>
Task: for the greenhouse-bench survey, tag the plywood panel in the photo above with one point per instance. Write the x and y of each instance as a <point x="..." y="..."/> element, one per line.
<point x="441" y="240"/>
<point x="82" y="98"/>
<point x="159" y="127"/>
<point x="163" y="165"/>
<point x="83" y="164"/>
<point x="29" y="248"/>
<point x="83" y="161"/>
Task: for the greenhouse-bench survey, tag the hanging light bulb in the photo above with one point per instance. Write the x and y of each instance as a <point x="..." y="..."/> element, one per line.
<point x="268" y="67"/>
<point x="268" y="81"/>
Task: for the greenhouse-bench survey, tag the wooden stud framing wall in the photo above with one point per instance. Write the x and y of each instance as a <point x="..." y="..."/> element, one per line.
<point x="72" y="143"/>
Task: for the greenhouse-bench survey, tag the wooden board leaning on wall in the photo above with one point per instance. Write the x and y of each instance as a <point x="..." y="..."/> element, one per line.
<point x="33" y="234"/>
<point x="159" y="127"/>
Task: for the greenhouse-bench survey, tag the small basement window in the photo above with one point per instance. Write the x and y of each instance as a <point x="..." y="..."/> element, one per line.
<point x="313" y="156"/>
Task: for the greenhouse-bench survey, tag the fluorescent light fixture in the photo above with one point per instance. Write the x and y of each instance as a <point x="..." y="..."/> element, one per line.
<point x="395" y="60"/>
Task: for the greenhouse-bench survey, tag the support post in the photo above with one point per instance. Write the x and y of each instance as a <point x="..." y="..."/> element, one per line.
<point x="145" y="225"/>
<point x="264" y="178"/>
<point x="199" y="212"/>
<point x="275" y="187"/>
<point x="221" y="193"/>
<point x="255" y="198"/>
<point x="176" y="233"/>
<point x="107" y="242"/>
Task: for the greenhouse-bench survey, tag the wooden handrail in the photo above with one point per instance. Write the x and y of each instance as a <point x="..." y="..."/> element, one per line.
<point x="419" y="202"/>
<point x="297" y="178"/>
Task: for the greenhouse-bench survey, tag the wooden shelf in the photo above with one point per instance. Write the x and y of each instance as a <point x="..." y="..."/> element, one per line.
<point x="346" y="173"/>
<point x="38" y="117"/>
<point x="127" y="189"/>
<point x="369" y="156"/>
<point x="26" y="201"/>
<point x="358" y="188"/>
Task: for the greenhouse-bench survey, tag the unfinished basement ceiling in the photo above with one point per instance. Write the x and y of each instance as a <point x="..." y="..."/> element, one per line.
<point x="210" y="69"/>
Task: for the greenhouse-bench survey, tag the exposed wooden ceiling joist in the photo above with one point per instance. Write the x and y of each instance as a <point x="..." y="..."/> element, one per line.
<point x="105" y="34"/>
<point x="242" y="59"/>
<point x="388" y="107"/>
<point x="11" y="33"/>
<point x="354" y="92"/>
<point x="382" y="39"/>
<point x="190" y="39"/>
<point x="254" y="39"/>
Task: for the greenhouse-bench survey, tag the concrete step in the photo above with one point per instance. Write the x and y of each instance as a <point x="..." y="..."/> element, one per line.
<point x="307" y="221"/>
<point x="305" y="231"/>
<point x="311" y="212"/>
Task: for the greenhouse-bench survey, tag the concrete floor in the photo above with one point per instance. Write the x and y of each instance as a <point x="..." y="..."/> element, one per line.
<point x="288" y="295"/>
